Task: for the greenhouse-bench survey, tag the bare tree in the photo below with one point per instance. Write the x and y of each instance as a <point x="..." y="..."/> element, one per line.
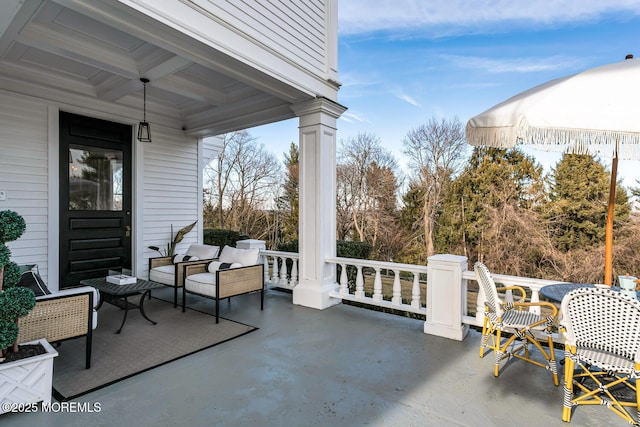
<point x="367" y="191"/>
<point x="243" y="180"/>
<point x="436" y="151"/>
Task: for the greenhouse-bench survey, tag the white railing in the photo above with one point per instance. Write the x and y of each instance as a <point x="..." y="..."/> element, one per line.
<point x="501" y="279"/>
<point x="281" y="270"/>
<point x="394" y="301"/>
<point x="276" y="272"/>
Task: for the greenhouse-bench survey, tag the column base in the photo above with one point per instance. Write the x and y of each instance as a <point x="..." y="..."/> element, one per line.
<point x="311" y="295"/>
<point x="457" y="334"/>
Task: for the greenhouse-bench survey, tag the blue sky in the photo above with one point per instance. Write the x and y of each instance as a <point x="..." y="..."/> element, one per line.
<point x="403" y="62"/>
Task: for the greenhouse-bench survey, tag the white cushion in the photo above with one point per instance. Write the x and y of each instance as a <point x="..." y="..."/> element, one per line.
<point x="203" y="251"/>
<point x="164" y="274"/>
<point x="242" y="256"/>
<point x="201" y="283"/>
<point x="214" y="266"/>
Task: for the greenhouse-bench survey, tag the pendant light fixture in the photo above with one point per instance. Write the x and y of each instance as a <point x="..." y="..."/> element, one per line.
<point x="144" y="131"/>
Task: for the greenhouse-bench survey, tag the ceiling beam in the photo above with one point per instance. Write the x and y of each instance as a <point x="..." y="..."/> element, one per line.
<point x="192" y="89"/>
<point x="67" y="44"/>
<point x="115" y="88"/>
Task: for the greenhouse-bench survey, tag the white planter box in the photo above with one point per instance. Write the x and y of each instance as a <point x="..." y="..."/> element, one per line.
<point x="27" y="380"/>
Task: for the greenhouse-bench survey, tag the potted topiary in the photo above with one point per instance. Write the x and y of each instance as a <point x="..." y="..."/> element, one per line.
<point x="15" y="302"/>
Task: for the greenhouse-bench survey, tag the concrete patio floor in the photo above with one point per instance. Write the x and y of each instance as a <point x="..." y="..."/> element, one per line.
<point x="344" y="366"/>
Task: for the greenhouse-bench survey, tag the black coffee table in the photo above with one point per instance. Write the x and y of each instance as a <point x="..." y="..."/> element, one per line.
<point x="117" y="295"/>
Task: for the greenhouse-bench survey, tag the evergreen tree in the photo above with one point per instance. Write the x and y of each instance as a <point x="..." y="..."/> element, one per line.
<point x="495" y="186"/>
<point x="412" y="251"/>
<point x="289" y="202"/>
<point x="578" y="200"/>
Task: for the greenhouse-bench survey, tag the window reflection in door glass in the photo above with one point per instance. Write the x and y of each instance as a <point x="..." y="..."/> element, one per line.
<point x="95" y="179"/>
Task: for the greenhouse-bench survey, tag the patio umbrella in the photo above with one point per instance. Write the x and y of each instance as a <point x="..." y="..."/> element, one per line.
<point x="594" y="111"/>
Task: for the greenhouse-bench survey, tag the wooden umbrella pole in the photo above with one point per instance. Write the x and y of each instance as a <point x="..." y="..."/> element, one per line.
<point x="608" y="250"/>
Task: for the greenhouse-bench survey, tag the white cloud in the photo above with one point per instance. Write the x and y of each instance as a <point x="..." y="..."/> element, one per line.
<point x="408" y="99"/>
<point x="439" y="17"/>
<point x="511" y="65"/>
<point x="353" y="117"/>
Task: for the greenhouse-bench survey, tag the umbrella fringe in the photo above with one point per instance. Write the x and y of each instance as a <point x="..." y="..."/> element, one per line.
<point x="573" y="141"/>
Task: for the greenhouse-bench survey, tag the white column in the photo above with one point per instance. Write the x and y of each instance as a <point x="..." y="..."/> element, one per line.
<point x="446" y="296"/>
<point x="317" y="217"/>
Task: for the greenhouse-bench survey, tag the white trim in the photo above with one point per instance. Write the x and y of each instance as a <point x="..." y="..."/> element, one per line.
<point x="53" y="220"/>
<point x="137" y="204"/>
<point x="200" y="190"/>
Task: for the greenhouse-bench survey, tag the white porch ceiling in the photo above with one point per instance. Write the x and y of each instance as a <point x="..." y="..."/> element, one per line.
<point x="96" y="52"/>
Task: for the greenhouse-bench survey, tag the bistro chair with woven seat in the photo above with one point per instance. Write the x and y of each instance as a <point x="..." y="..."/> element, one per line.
<point x="510" y="328"/>
<point x="602" y="351"/>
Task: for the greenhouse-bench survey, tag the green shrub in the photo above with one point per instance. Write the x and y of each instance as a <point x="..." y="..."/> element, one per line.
<point x="12" y="226"/>
<point x="15" y="301"/>
<point x="220" y="237"/>
<point x="290" y="246"/>
<point x="359" y="250"/>
<point x="344" y="249"/>
<point x="5" y="255"/>
<point x="11" y="275"/>
<point x="348" y="249"/>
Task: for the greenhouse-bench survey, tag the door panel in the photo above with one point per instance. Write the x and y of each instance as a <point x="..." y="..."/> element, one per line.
<point x="95" y="198"/>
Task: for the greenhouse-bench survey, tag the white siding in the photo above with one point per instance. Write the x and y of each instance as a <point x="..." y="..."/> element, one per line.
<point x="168" y="185"/>
<point x="292" y="40"/>
<point x="24" y="175"/>
<point x="171" y="191"/>
<point x="295" y="29"/>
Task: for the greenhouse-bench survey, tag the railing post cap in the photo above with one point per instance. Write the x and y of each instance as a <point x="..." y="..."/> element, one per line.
<point x="448" y="258"/>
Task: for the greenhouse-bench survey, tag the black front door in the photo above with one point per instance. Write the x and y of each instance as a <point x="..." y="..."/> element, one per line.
<point x="95" y="198"/>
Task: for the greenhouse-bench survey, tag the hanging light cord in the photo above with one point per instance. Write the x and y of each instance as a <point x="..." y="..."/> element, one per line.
<point x="144" y="97"/>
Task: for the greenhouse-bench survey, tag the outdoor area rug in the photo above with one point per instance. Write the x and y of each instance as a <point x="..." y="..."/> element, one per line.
<point x="139" y="347"/>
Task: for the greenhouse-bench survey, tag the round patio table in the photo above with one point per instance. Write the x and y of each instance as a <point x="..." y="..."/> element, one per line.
<point x="558" y="291"/>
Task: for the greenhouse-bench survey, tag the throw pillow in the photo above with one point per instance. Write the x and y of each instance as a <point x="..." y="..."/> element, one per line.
<point x="203" y="251"/>
<point x="28" y="267"/>
<point x="183" y="258"/>
<point x="214" y="266"/>
<point x="241" y="256"/>
<point x="32" y="280"/>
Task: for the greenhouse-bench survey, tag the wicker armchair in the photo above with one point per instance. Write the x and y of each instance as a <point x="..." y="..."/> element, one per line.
<point x="60" y="316"/>
<point x="226" y="283"/>
<point x="168" y="270"/>
<point x="514" y="319"/>
<point x="236" y="272"/>
<point x="602" y="351"/>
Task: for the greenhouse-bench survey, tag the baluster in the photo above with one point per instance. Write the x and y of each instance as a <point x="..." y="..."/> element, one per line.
<point x="344" y="281"/>
<point x="359" y="283"/>
<point x="415" y="291"/>
<point x="265" y="262"/>
<point x="293" y="281"/>
<point x="377" y="286"/>
<point x="283" y="272"/>
<point x="535" y="297"/>
<point x="274" y="271"/>
<point x="396" y="299"/>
